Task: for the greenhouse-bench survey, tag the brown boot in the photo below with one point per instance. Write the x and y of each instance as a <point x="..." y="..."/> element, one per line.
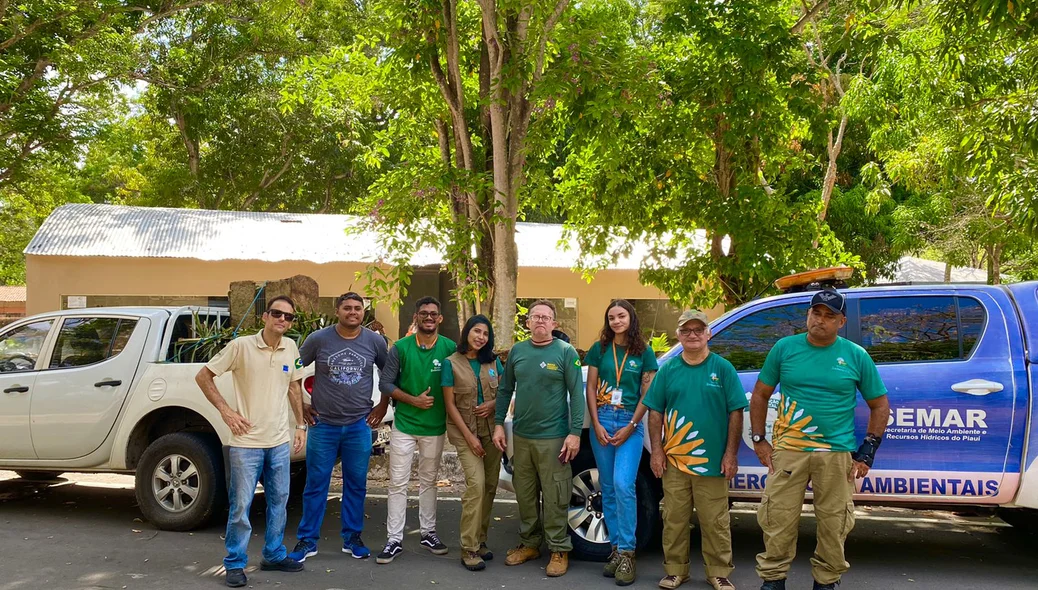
<point x="472" y="561"/>
<point x="558" y="565"/>
<point x="521" y="554"/>
<point x="609" y="570"/>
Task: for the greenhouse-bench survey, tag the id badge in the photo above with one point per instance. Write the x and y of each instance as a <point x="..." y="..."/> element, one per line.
<point x="618" y="395"/>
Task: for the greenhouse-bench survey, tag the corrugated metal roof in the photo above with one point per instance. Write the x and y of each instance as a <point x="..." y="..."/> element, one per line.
<point x="152" y="232"/>
<point x="12" y="293"/>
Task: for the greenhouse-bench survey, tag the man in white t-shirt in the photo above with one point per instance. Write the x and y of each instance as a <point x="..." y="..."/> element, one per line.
<point x="264" y="368"/>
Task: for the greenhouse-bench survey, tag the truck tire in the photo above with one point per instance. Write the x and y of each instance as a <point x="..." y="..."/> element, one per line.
<point x="1024" y="520"/>
<point x="180" y="481"/>
<point x="39" y="475"/>
<point x="591" y="540"/>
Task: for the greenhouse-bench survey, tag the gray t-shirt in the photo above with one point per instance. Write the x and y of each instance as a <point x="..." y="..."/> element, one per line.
<point x="344" y="373"/>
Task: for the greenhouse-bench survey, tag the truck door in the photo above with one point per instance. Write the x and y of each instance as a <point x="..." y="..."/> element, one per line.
<point x="20" y="350"/>
<point x="945" y="359"/>
<point x="80" y="391"/>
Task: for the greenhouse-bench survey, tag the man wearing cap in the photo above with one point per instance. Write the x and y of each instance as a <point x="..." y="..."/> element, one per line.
<point x="695" y="406"/>
<point x="813" y="440"/>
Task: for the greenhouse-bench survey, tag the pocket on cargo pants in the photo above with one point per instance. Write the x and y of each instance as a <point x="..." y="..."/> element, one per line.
<point x="562" y="484"/>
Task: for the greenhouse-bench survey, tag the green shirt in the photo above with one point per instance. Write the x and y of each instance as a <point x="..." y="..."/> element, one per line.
<point x="816" y="407"/>
<point x="631" y="376"/>
<point x="447" y="376"/>
<point x="547" y="382"/>
<point x="695" y="401"/>
<point x="420" y="369"/>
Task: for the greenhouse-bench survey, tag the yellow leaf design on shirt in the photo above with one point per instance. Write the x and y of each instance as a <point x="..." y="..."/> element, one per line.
<point x="792" y="430"/>
<point x="680" y="451"/>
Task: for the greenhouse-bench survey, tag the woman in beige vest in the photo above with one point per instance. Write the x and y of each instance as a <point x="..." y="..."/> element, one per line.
<point x="469" y="379"/>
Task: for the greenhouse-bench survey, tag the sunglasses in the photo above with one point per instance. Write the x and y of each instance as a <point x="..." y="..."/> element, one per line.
<point x="696" y="331"/>
<point x="277" y="314"/>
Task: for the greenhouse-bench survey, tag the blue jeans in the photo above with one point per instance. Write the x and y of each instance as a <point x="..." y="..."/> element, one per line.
<point x="324" y="445"/>
<point x="247" y="466"/>
<point x="617" y="471"/>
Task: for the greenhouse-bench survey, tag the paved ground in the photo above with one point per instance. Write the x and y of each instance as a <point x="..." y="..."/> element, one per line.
<point x="85" y="532"/>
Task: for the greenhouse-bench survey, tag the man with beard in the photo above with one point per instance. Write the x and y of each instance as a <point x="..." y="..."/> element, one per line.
<point x="341" y="417"/>
<point x="412" y="379"/>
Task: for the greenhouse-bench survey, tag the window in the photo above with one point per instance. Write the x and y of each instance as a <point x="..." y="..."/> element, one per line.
<point x="746" y="343"/>
<point x="907" y="329"/>
<point x="85" y="341"/>
<point x="20" y="347"/>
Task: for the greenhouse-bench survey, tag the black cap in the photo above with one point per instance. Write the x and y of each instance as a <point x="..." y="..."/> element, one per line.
<point x="832" y="299"/>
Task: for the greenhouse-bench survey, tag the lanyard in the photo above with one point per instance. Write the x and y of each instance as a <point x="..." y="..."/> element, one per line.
<point x="619" y="367"/>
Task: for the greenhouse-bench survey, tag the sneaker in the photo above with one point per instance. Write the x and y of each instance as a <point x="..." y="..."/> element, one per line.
<point x="236" y="578"/>
<point x="721" y="583"/>
<point x="389" y="552"/>
<point x="609" y="570"/>
<point x="355" y="547"/>
<point x="285" y="565"/>
<point x="433" y="544"/>
<point x="521" y="554"/>
<point x="472" y="561"/>
<point x="303" y="550"/>
<point x="774" y="584"/>
<point x="485" y="552"/>
<point x="625" y="570"/>
<point x="558" y="565"/>
<point x="671" y="582"/>
<point x="826" y="586"/>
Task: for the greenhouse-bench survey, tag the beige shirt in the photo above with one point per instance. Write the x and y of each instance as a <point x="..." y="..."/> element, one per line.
<point x="261" y="376"/>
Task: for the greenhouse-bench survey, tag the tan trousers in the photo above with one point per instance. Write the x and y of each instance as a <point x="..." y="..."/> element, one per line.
<point x="709" y="496"/>
<point x="480" y="487"/>
<point x="779" y="513"/>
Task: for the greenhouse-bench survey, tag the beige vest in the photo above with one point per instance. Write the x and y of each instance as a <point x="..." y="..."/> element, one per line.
<point x="466" y="395"/>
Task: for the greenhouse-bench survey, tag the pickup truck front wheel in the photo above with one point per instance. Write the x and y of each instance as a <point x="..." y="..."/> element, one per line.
<point x="180" y="481"/>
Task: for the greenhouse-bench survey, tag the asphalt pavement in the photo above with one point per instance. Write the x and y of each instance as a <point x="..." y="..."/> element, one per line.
<point x="85" y="532"/>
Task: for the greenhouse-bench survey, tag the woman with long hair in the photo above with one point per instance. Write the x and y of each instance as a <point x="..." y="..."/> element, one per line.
<point x="469" y="378"/>
<point x="620" y="367"/>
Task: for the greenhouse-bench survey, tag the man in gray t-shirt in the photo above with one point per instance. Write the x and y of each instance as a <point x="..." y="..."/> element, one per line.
<point x="342" y="415"/>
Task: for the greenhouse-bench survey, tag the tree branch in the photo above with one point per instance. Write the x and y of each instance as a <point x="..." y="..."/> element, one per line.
<point x="549" y="26"/>
<point x="808" y="16"/>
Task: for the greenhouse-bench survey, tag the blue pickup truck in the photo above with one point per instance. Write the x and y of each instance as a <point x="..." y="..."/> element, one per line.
<point x="961" y="366"/>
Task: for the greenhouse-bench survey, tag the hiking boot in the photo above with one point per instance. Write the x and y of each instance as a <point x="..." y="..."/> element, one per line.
<point x="433" y="544"/>
<point x="721" y="583"/>
<point x="485" y="552"/>
<point x="610" y="567"/>
<point x="521" y="554"/>
<point x="303" y="550"/>
<point x="285" y="565"/>
<point x="389" y="552"/>
<point x="625" y="570"/>
<point x="831" y="586"/>
<point x="472" y="561"/>
<point x="774" y="584"/>
<point x="558" y="565"/>
<point x="671" y="582"/>
<point x="236" y="578"/>
<point x="355" y="547"/>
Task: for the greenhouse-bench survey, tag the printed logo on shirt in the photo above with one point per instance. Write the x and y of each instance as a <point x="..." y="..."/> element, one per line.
<point x="576" y="362"/>
<point x="715" y="381"/>
<point x="841" y="365"/>
<point x="284" y="368"/>
<point x="493" y="372"/>
<point x="436" y="365"/>
<point x="346" y="367"/>
<point x="299" y="363"/>
<point x="549" y="366"/>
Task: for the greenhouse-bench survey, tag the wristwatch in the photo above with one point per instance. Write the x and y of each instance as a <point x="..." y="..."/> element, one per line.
<point x="300" y="426"/>
<point x="756" y="438"/>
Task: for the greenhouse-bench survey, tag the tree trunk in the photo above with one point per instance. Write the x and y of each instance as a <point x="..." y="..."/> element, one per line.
<point x="947" y="272"/>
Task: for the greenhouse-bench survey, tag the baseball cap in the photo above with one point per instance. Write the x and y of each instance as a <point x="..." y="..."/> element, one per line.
<point x="692" y="314"/>
<point x="832" y="299"/>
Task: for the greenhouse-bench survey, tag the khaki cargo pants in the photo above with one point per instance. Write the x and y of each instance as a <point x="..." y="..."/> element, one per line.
<point x="709" y="496"/>
<point x="537" y="472"/>
<point x="480" y="487"/>
<point x="779" y="513"/>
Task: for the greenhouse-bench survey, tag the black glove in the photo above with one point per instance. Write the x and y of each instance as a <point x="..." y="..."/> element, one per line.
<point x="866" y="453"/>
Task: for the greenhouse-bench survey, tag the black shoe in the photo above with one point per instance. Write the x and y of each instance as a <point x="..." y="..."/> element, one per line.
<point x="485" y="552"/>
<point x="774" y="585"/>
<point x="832" y="586"/>
<point x="433" y="544"/>
<point x="236" y="578"/>
<point x="285" y="565"/>
<point x="389" y="552"/>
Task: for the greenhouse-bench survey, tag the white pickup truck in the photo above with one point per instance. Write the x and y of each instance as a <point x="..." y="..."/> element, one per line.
<point x="104" y="390"/>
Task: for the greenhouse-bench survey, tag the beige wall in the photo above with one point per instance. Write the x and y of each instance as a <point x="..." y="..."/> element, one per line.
<point x="48" y="278"/>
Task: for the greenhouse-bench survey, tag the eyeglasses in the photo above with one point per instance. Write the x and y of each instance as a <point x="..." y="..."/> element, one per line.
<point x="696" y="331"/>
<point x="277" y="314"/>
<point x="428" y="314"/>
<point x="541" y="318"/>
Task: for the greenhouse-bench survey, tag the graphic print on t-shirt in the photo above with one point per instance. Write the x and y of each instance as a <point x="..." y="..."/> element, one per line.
<point x="346" y="367"/>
